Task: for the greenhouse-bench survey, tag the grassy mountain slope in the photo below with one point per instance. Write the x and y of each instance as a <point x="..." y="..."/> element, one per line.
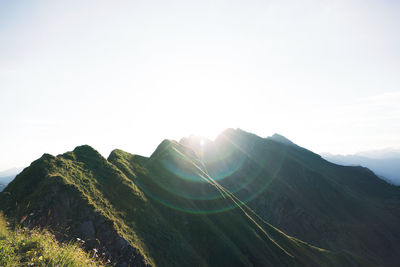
<point x="75" y="195"/>
<point x="22" y="247"/>
<point x="175" y="178"/>
<point x="165" y="210"/>
<point x="330" y="206"/>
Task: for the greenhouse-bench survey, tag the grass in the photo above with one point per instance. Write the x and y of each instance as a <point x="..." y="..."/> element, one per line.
<point x="23" y="247"/>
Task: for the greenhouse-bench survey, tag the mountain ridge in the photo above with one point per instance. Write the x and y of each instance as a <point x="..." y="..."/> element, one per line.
<point x="181" y="205"/>
<point x="296" y="176"/>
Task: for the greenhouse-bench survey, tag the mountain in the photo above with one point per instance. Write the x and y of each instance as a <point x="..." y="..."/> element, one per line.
<point x="385" y="153"/>
<point x="330" y="206"/>
<point x="165" y="210"/>
<point x="386" y="164"/>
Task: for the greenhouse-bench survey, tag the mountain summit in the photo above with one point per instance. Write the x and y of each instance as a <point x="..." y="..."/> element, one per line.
<point x="280" y="138"/>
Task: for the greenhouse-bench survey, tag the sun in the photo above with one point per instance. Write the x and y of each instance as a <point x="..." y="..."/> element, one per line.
<point x="202" y="142"/>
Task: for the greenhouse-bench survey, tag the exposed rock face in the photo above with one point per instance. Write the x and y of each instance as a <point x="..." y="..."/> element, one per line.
<point x="69" y="217"/>
<point x="39" y="198"/>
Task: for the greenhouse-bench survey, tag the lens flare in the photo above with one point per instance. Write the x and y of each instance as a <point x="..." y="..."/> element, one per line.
<point x="205" y="183"/>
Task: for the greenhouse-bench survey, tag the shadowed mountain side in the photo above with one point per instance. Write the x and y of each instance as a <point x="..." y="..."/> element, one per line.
<point x="330" y="206"/>
<point x="233" y="237"/>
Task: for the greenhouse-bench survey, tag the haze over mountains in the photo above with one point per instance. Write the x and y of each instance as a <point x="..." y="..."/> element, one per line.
<point x="240" y="200"/>
<point x="385" y="163"/>
<point x="7" y="176"/>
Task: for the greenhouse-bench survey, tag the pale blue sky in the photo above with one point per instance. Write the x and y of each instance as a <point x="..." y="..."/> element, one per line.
<point x="126" y="74"/>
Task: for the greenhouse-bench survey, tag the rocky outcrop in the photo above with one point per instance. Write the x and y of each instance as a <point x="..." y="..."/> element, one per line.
<point x="70" y="217"/>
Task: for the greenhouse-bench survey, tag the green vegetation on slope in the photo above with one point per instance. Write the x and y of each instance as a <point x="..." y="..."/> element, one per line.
<point x="165" y="210"/>
<point x="330" y="206"/>
<point x="22" y="247"/>
<point x="207" y="219"/>
<point x="79" y="195"/>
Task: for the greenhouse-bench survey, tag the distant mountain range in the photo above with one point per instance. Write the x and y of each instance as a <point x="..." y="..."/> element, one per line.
<point x="385" y="163"/>
<point x="240" y="200"/>
<point x="7" y="176"/>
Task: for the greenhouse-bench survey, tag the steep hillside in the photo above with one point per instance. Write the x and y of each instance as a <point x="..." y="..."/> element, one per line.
<point x="330" y="206"/>
<point x="73" y="194"/>
<point x="165" y="210"/>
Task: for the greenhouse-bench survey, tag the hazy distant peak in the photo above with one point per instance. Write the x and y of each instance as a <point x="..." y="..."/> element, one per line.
<point x="196" y="142"/>
<point x="228" y="131"/>
<point x="194" y="139"/>
<point x="386" y="153"/>
<point x="231" y="133"/>
<point x="380" y="153"/>
<point x="168" y="145"/>
<point x="11" y="172"/>
<point x="381" y="163"/>
<point x="281" y="139"/>
<point x="225" y="133"/>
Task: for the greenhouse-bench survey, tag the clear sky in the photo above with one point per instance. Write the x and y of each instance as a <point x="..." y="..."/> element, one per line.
<point x="127" y="74"/>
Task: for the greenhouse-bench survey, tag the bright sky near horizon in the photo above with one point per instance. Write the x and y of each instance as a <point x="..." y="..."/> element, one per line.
<point x="127" y="74"/>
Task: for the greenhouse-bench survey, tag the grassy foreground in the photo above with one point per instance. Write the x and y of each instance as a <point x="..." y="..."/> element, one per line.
<point x="23" y="247"/>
